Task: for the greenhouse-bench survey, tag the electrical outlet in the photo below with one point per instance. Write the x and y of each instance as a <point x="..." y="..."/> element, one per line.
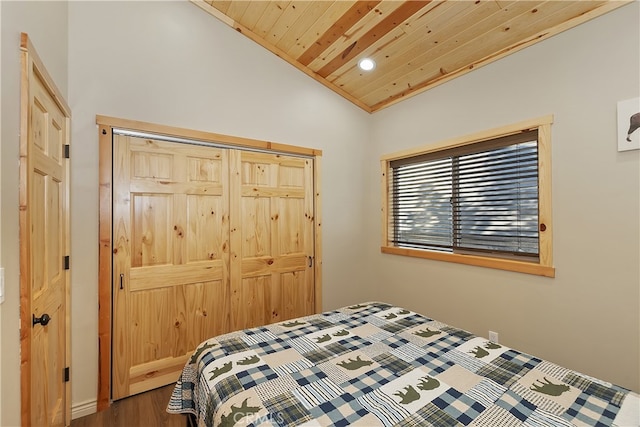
<point x="493" y="337"/>
<point x="1" y="285"/>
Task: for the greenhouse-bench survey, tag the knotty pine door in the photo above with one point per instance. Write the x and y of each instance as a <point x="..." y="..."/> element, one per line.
<point x="271" y="238"/>
<point x="206" y="240"/>
<point x="44" y="218"/>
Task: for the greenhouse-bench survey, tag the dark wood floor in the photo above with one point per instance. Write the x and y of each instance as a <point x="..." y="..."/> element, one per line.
<point x="146" y="409"/>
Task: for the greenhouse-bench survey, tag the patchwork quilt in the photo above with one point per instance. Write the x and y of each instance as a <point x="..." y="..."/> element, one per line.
<point x="374" y="364"/>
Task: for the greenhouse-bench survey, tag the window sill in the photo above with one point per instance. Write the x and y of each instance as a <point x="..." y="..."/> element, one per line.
<point x="500" y="264"/>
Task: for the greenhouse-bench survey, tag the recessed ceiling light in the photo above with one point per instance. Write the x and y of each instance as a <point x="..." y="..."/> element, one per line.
<point x="367" y="64"/>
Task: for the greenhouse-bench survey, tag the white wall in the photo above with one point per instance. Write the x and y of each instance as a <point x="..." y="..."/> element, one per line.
<point x="46" y="24"/>
<point x="587" y="318"/>
<point x="171" y="63"/>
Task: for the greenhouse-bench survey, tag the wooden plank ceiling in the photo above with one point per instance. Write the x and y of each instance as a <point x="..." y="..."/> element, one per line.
<point x="415" y="44"/>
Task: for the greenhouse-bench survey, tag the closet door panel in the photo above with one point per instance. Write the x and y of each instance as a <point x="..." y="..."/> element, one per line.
<point x="255" y="297"/>
<point x="170" y="263"/>
<point x="296" y="293"/>
<point x="256" y="226"/>
<point x="204" y="215"/>
<point x="150" y="231"/>
<point x="206" y="240"/>
<point x="292" y="222"/>
<point x="271" y="238"/>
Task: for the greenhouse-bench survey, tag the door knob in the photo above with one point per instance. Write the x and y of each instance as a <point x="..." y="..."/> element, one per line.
<point x="43" y="320"/>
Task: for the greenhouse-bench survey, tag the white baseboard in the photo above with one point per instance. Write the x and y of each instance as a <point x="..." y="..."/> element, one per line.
<point x="81" y="409"/>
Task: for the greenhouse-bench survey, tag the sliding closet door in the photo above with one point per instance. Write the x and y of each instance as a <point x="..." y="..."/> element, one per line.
<point x="272" y="243"/>
<point x="170" y="257"/>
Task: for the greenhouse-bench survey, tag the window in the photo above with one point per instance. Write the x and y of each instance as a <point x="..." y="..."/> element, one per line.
<point x="481" y="200"/>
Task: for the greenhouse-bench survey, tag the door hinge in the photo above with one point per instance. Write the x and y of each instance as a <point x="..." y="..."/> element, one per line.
<point x="66" y="374"/>
<point x="66" y="151"/>
<point x="66" y="262"/>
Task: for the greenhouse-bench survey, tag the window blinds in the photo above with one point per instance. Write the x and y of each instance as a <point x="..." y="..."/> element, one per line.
<point x="481" y="197"/>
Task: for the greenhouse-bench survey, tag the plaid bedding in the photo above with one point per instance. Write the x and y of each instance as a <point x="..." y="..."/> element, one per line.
<point x="374" y="364"/>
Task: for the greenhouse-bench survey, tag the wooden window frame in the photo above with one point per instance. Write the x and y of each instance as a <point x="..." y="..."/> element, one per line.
<point x="544" y="267"/>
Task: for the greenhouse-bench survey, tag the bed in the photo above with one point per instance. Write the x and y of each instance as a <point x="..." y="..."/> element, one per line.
<point x="374" y="364"/>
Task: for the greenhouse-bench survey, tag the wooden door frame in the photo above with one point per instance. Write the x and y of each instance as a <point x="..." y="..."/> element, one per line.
<point x="30" y="62"/>
<point x="106" y="125"/>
